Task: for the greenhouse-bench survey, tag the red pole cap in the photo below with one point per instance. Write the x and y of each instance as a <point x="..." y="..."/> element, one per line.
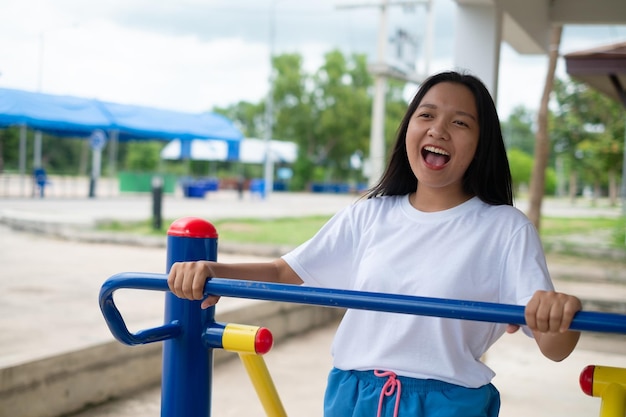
<point x="192" y="227"/>
<point x="586" y="380"/>
<point x="263" y="341"/>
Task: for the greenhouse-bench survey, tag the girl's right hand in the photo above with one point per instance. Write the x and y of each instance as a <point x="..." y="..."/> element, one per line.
<point x="187" y="280"/>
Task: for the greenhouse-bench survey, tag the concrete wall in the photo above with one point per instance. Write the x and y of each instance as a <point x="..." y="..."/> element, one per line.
<point x="67" y="383"/>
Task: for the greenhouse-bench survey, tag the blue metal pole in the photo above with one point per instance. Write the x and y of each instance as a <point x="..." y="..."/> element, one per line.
<point x="398" y="303"/>
<point x="187" y="363"/>
<point x="394" y="303"/>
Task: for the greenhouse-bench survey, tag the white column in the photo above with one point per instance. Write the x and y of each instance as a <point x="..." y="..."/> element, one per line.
<point x="377" y="132"/>
<point x="113" y="139"/>
<point x="22" y="160"/>
<point x="477" y="42"/>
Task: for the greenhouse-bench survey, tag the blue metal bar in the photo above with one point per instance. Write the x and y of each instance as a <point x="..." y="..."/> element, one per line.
<point x="398" y="303"/>
<point x="395" y="303"/>
<point x="114" y="319"/>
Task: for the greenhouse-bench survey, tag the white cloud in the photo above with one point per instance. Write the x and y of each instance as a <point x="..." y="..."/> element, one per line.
<point x="195" y="54"/>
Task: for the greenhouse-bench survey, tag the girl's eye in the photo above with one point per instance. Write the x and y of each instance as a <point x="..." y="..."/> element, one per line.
<point x="424" y="115"/>
<point x="461" y="123"/>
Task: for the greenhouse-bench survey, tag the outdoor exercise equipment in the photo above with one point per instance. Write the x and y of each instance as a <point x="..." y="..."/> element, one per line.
<point x="190" y="333"/>
<point x="609" y="384"/>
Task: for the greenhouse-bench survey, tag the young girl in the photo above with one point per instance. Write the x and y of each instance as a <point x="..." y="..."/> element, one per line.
<point x="440" y="223"/>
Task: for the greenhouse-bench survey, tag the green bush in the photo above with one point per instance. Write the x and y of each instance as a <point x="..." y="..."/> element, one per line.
<point x="521" y="165"/>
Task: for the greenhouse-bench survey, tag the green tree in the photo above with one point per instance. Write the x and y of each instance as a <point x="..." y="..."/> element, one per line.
<point x="9" y="149"/>
<point x="248" y="117"/>
<point x="521" y="165"/>
<point x="587" y="128"/>
<point x="518" y="130"/>
<point x="143" y="156"/>
<point x="295" y="114"/>
<point x="343" y="108"/>
<point x="60" y="155"/>
<point x="327" y="113"/>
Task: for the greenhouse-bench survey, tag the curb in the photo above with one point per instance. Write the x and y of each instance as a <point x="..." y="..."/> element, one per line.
<point x="81" y="379"/>
<point x="81" y="234"/>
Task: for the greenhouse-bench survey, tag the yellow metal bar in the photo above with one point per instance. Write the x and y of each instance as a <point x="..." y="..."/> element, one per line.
<point x="239" y="338"/>
<point x="609" y="384"/>
<point x="603" y="376"/>
<point x="263" y="384"/>
<point x="613" y="401"/>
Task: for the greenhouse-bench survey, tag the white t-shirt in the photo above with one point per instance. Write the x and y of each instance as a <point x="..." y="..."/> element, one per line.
<point x="474" y="251"/>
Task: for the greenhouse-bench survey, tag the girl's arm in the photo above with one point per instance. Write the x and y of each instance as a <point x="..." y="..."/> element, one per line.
<point x="549" y="314"/>
<point x="187" y="279"/>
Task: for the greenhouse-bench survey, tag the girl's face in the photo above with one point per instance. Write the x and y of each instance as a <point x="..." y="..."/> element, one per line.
<point x="442" y="137"/>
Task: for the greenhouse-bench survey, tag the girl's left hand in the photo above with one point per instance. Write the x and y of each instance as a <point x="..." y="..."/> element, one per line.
<point x="551" y="312"/>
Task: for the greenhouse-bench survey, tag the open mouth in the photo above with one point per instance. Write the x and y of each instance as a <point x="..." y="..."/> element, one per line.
<point x="434" y="156"/>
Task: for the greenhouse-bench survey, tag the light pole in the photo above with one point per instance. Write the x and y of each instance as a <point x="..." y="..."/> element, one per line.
<point x="38" y="140"/>
<point x="381" y="71"/>
<point x="268" y="171"/>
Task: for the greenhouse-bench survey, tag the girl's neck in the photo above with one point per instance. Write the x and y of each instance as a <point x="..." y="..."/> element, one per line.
<point x="431" y="200"/>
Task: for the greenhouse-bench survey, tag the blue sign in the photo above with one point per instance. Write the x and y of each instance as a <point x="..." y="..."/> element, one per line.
<point x="97" y="140"/>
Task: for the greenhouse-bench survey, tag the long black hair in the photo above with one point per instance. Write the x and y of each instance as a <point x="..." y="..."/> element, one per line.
<point x="488" y="176"/>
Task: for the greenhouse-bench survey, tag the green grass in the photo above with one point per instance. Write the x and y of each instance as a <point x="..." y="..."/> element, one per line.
<point x="295" y="230"/>
<point x="558" y="226"/>
<point x="612" y="229"/>
<point x="282" y="231"/>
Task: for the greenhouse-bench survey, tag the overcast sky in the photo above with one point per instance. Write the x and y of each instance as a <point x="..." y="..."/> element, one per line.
<point x="192" y="55"/>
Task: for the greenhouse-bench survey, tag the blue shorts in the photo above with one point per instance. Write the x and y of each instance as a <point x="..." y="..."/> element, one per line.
<point x="358" y="394"/>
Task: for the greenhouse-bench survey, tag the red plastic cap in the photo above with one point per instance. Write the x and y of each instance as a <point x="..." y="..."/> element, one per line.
<point x="192" y="227"/>
<point x="586" y="380"/>
<point x="263" y="341"/>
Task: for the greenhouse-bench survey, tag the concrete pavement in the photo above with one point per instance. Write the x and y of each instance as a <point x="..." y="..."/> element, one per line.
<point x="530" y="385"/>
<point x="49" y="287"/>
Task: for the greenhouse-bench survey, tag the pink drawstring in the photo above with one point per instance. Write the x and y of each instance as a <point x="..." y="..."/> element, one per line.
<point x="388" y="390"/>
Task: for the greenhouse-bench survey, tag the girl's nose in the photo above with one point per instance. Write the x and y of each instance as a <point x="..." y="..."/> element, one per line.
<point x="437" y="131"/>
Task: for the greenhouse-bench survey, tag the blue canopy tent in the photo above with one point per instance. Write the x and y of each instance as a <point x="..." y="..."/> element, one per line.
<point x="57" y="115"/>
<point x="137" y="122"/>
<point x="67" y="116"/>
<point x="131" y="122"/>
<point x="74" y="116"/>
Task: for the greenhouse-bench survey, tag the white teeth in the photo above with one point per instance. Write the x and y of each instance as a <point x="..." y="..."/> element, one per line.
<point x="436" y="150"/>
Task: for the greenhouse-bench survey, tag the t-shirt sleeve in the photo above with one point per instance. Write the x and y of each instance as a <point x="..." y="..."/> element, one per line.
<point x="525" y="269"/>
<point x="326" y="259"/>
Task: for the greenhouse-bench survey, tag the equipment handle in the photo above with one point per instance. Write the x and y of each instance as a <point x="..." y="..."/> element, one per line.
<point x="113" y="317"/>
<point x="393" y="303"/>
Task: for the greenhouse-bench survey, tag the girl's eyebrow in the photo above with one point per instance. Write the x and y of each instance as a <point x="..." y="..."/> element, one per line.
<point x="460" y="112"/>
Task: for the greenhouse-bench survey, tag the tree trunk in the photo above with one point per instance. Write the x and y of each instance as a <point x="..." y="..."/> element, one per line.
<point x="612" y="188"/>
<point x="542" y="141"/>
<point x="1" y="155"/>
<point x="573" y="186"/>
<point x="84" y="159"/>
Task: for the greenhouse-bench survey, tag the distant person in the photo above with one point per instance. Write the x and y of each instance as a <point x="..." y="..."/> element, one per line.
<point x="41" y="180"/>
<point x="241" y="182"/>
<point x="439" y="223"/>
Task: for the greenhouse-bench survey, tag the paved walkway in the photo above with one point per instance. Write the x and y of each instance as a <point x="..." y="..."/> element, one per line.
<point x="530" y="385"/>
<point x="48" y="305"/>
